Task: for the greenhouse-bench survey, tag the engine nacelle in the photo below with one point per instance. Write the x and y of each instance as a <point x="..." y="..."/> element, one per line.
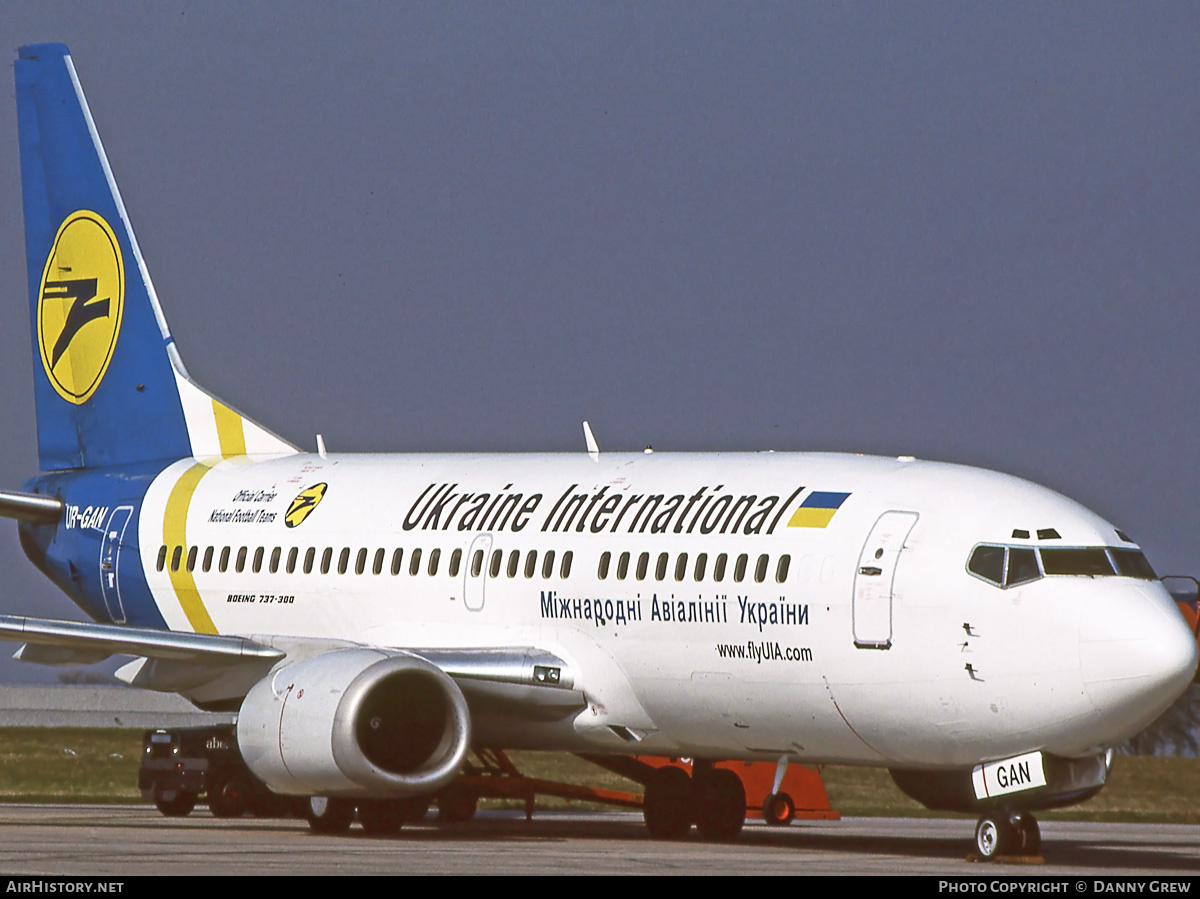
<point x="355" y="722"/>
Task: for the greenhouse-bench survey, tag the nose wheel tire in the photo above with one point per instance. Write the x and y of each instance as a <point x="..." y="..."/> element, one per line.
<point x="1029" y="835"/>
<point x="720" y="804"/>
<point x="778" y="810"/>
<point x="667" y="804"/>
<point x="329" y="814"/>
<point x="995" y="836"/>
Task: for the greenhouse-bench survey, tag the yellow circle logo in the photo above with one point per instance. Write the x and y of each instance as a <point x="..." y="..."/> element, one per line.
<point x="303" y="504"/>
<point x="80" y="305"/>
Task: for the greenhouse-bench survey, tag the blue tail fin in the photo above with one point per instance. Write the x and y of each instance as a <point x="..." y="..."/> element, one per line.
<point x="109" y="384"/>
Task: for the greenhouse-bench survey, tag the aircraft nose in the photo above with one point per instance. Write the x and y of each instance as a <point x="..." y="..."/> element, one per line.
<point x="1136" y="654"/>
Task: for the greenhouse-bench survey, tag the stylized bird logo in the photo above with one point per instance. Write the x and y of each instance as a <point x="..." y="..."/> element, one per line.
<point x="303" y="504"/>
<point x="82" y="310"/>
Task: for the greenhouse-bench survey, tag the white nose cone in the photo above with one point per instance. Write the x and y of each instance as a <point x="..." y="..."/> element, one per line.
<point x="1136" y="654"/>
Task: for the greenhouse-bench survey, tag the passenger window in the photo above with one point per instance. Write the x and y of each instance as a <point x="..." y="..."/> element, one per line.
<point x="622" y="566"/>
<point x="326" y="559"/>
<point x="531" y="563"/>
<point x="760" y="570"/>
<point x="605" y="560"/>
<point x="514" y="562"/>
<point x="191" y="563"/>
<point x="360" y="561"/>
<point x="681" y="567"/>
<point x="565" y="569"/>
<point x="309" y="556"/>
<point x="275" y="554"/>
<point x="240" y="565"/>
<point x="477" y="563"/>
<point x="701" y="564"/>
<point x="344" y="560"/>
<point x="162" y="557"/>
<point x="397" y="561"/>
<point x="455" y="562"/>
<point x="176" y="555"/>
<point x="223" y="565"/>
<point x="660" y="569"/>
<point x="258" y="559"/>
<point x="642" y="564"/>
<point x="1022" y="566"/>
<point x="207" y="563"/>
<point x="988" y="563"/>
<point x="414" y="562"/>
<point x="719" y="567"/>
<point x="291" y="562"/>
<point x="377" y="565"/>
<point x="497" y="559"/>
<point x="739" y="568"/>
<point x="781" y="570"/>
<point x="548" y="564"/>
<point x="435" y="558"/>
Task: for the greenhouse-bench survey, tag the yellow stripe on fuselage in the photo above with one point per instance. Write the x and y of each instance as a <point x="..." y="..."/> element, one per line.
<point x="175" y="534"/>
<point x="811" y="518"/>
<point x="231" y="434"/>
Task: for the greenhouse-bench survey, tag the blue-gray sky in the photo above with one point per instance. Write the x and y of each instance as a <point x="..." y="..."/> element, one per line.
<point x="965" y="232"/>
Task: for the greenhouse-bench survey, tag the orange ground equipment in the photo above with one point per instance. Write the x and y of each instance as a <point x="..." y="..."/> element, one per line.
<point x="801" y="793"/>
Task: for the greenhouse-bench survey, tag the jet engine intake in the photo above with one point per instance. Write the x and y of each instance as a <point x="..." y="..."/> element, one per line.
<point x="355" y="722"/>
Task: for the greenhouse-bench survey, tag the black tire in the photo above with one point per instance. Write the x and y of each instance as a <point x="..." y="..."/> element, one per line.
<point x="720" y="804"/>
<point x="329" y="814"/>
<point x="667" y="805"/>
<point x="414" y="808"/>
<point x="1029" y="834"/>
<point x="995" y="836"/>
<point x="227" y="798"/>
<point x="380" y="817"/>
<point x="456" y="807"/>
<point x="264" y="804"/>
<point x="779" y="810"/>
<point x="174" y="803"/>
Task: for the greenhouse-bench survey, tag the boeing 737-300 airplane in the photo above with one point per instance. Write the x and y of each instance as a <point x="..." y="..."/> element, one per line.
<point x="371" y="618"/>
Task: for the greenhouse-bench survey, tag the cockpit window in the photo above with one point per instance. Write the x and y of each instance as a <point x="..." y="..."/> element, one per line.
<point x="1022" y="566"/>
<point x="988" y="563"/>
<point x="1131" y="563"/>
<point x="1089" y="561"/>
<point x="1010" y="566"/>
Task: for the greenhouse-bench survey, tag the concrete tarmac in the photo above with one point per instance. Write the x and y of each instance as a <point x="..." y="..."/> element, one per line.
<point x="111" y="841"/>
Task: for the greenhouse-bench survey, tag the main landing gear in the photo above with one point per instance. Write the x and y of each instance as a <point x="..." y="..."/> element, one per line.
<point x="711" y="798"/>
<point x="1007" y="833"/>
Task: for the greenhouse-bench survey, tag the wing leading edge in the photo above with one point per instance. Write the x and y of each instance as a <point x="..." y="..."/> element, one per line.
<point x="220" y="668"/>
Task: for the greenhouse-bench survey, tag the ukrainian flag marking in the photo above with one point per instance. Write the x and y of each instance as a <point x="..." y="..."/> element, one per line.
<point x="817" y="510"/>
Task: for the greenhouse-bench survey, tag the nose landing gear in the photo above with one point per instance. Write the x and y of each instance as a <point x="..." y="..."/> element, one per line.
<point x="1007" y="834"/>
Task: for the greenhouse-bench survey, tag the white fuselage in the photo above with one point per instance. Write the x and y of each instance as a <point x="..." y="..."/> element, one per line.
<point x="875" y="646"/>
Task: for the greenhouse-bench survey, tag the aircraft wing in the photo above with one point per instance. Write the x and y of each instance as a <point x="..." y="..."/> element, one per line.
<point x="74" y="642"/>
<point x="498" y="677"/>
